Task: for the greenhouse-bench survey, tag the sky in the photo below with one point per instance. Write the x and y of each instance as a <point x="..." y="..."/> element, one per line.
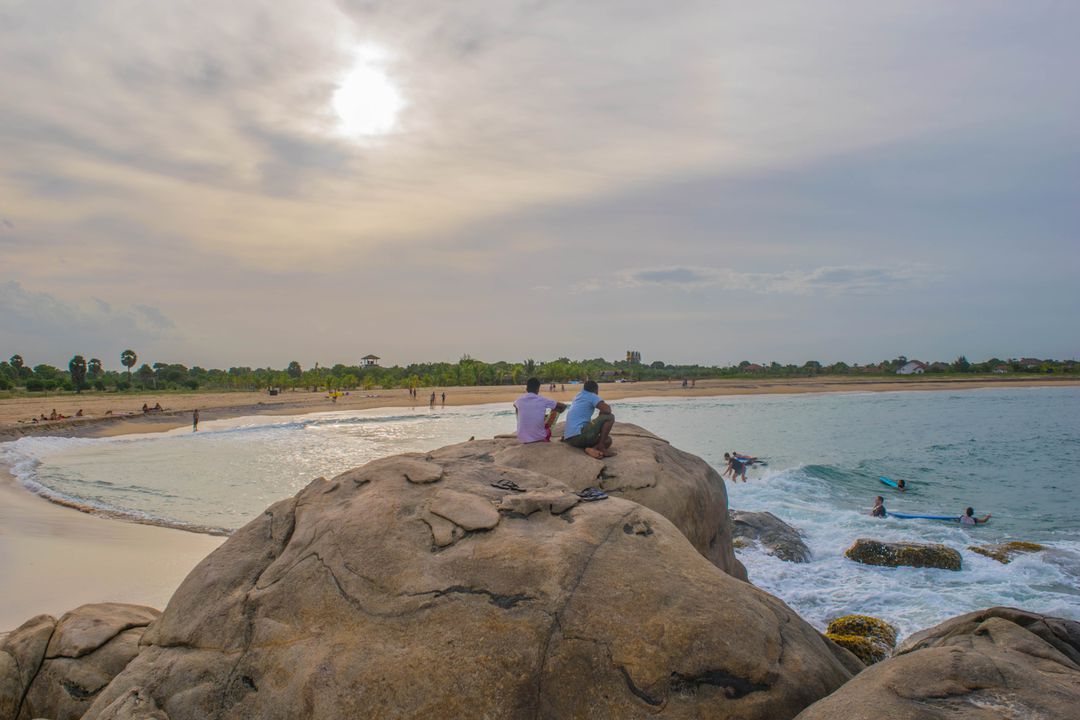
<point x="255" y="182"/>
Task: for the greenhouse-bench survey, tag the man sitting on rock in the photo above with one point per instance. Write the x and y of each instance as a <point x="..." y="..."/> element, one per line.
<point x="594" y="436"/>
<point x="531" y="411"/>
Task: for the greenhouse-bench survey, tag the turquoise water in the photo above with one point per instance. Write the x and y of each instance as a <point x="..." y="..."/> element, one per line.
<point x="1014" y="453"/>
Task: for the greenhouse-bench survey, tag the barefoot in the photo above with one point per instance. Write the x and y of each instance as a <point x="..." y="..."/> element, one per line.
<point x="610" y="453"/>
<point x="594" y="453"/>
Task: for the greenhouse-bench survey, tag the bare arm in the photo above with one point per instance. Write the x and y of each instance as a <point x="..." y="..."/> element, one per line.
<point x="560" y="407"/>
<point x="603" y="407"/>
<point x="983" y="519"/>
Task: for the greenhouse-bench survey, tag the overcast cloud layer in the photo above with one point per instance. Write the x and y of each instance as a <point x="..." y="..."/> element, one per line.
<point x="701" y="181"/>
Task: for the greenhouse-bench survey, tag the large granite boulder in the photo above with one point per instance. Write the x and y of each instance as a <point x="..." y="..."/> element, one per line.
<point x="55" y="669"/>
<point x="647" y="470"/>
<point x="412" y="587"/>
<point x="996" y="663"/>
<point x="776" y="536"/>
<point x="876" y="552"/>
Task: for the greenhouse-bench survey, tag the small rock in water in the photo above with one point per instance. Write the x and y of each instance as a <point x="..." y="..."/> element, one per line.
<point x="871" y="639"/>
<point x="876" y="552"/>
<point x="1005" y="552"/>
<point x="778" y="538"/>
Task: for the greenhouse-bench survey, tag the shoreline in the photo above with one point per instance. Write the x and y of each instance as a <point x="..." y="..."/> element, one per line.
<point x="128" y="419"/>
<point x="53" y="559"/>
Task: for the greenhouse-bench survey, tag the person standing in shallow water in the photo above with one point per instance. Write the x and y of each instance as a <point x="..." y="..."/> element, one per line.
<point x="195" y="420"/>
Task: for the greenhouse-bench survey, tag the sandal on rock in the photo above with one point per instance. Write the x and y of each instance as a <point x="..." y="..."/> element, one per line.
<point x="592" y="494"/>
<point x="505" y="484"/>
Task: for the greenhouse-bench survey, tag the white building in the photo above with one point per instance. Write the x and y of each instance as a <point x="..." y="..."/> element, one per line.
<point x="369" y="361"/>
<point x="912" y="367"/>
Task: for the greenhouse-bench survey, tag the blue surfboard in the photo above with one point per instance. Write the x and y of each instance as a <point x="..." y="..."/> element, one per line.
<point x="888" y="481"/>
<point x="912" y="516"/>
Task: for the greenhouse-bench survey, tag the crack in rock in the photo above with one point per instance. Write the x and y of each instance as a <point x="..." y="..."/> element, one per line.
<point x="734" y="687"/>
<point x="504" y="601"/>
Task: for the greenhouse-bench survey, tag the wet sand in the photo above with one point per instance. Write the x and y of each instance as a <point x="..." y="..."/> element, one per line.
<point x="53" y="559"/>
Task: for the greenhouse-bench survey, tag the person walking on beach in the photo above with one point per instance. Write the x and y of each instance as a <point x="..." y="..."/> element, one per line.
<point x="431" y="401"/>
<point x="531" y="409"/>
<point x="879" y="508"/>
<point x="195" y="420"/>
<point x="444" y="399"/>
<point x="593" y="435"/>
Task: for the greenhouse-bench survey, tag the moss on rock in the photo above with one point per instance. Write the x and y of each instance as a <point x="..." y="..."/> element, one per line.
<point x="1005" y="552"/>
<point x="865" y="626"/>
<point x="875" y="552"/>
<point x="868" y="649"/>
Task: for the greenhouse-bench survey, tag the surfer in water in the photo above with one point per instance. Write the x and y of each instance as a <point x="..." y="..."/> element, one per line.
<point x="968" y="518"/>
<point x="901" y="485"/>
<point x="736" y="466"/>
<point x="879" y="508"/>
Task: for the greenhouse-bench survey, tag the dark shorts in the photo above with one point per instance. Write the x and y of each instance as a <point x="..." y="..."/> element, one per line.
<point x="590" y="434"/>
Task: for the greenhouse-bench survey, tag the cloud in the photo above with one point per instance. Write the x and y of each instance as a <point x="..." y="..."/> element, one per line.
<point x="835" y="280"/>
<point x="42" y="322"/>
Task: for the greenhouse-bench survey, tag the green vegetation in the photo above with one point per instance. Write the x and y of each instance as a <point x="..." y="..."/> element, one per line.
<point x="160" y="376"/>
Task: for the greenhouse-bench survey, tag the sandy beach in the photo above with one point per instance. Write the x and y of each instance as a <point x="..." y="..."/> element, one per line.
<point x="55" y="558"/>
<point x="108" y="414"/>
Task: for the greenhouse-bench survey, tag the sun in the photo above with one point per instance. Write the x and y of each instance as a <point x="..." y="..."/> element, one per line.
<point x="367" y="102"/>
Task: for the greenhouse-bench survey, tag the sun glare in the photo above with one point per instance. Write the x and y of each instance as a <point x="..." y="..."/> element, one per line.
<point x="366" y="101"/>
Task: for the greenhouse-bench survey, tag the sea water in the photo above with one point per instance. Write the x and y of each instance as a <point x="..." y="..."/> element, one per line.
<point x="1014" y="453"/>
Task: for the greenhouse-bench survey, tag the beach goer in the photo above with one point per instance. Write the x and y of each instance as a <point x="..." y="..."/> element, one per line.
<point x="444" y="399"/>
<point x="53" y="415"/>
<point x="195" y="420"/>
<point x="157" y="407"/>
<point x="737" y="464"/>
<point x="968" y="518"/>
<point x="531" y="409"/>
<point x="593" y="435"/>
<point x="431" y="401"/>
<point x="879" y="508"/>
<point x="901" y="485"/>
<point x="79" y="413"/>
<point x="145" y="408"/>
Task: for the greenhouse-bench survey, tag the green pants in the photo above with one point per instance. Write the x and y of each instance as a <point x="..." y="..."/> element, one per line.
<point x="590" y="434"/>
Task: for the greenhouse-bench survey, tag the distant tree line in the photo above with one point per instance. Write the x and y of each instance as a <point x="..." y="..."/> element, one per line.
<point x="83" y="374"/>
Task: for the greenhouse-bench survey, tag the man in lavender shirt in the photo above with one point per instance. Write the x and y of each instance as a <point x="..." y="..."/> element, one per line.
<point x="531" y="412"/>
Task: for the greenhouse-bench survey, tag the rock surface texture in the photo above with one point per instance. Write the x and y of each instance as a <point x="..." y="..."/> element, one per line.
<point x="411" y="587"/>
<point x="996" y="663"/>
<point x="55" y="669"/>
<point x="776" y="536"/>
<point x="876" y="552"/>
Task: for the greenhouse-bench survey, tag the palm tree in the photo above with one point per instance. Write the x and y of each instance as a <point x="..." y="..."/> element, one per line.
<point x="17" y="363"/>
<point x="128" y="358"/>
<point x="530" y="367"/>
<point x="77" y="368"/>
<point x="94" y="368"/>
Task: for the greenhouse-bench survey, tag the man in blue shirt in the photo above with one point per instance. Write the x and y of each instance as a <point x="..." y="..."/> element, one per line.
<point x="585" y="432"/>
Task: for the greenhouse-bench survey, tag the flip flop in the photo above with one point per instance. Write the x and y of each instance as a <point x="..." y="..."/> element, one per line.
<point x="592" y="494"/>
<point x="505" y="484"/>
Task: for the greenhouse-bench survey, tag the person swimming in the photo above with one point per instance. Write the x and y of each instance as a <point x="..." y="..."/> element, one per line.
<point x="968" y="518"/>
<point x="879" y="508"/>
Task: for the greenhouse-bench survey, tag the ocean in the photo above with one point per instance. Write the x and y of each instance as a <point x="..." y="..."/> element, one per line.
<point x="1014" y="453"/>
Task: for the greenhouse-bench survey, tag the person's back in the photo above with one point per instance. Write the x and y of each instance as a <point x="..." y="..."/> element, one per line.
<point x="531" y="411"/>
<point x="581" y="411"/>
